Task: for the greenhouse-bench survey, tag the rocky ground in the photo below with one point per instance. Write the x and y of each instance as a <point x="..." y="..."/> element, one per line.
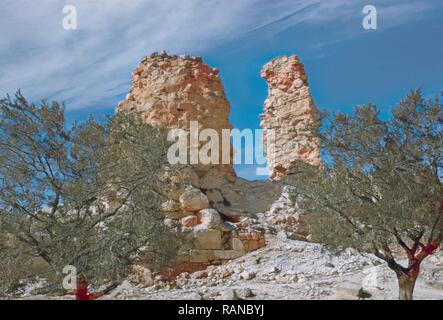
<point x="290" y="269"/>
<point x="287" y="269"/>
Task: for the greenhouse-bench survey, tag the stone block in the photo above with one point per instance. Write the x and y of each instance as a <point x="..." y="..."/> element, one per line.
<point x="228" y="254"/>
<point x="348" y="290"/>
<point x="201" y="256"/>
<point x="194" y="200"/>
<point x="236" y="244"/>
<point x="207" y="239"/>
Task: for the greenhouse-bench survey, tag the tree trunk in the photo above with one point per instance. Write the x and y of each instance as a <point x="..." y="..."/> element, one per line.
<point x="406" y="284"/>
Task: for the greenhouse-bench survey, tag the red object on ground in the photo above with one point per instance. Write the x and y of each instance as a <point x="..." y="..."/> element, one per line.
<point x="81" y="292"/>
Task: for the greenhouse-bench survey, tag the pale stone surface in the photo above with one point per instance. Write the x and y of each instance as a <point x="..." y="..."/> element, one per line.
<point x="194" y="200"/>
<point x="285" y="217"/>
<point x="237" y="196"/>
<point x="214" y="196"/>
<point x="301" y="270"/>
<point x="210" y="219"/>
<point x="193" y="296"/>
<point x="201" y="256"/>
<point x="141" y="276"/>
<point x="188" y="175"/>
<point x="181" y="178"/>
<point x="172" y="91"/>
<point x="291" y="112"/>
<point x="176" y="215"/>
<point x="252" y="245"/>
<point x="228" y="294"/>
<point x="348" y="291"/>
<point x="228" y="254"/>
<point x="244" y="293"/>
<point x="236" y="244"/>
<point x="189" y="221"/>
<point x="183" y="256"/>
<point x="246" y="275"/>
<point x="208" y="239"/>
<point x="170" y="206"/>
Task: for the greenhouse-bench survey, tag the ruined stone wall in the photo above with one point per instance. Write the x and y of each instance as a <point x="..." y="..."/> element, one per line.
<point x="207" y="202"/>
<point x="172" y="91"/>
<point x="212" y="238"/>
<point x="289" y="111"/>
<point x="216" y="209"/>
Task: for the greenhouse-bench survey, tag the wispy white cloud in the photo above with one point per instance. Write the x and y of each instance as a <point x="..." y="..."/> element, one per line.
<point x="92" y="65"/>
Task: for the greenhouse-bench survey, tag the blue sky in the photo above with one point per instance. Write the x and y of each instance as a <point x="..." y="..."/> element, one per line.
<point x="89" y="68"/>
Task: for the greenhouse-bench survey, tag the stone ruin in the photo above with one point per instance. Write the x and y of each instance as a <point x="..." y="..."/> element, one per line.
<point x="217" y="209"/>
<point x="172" y="91"/>
<point x="291" y="112"/>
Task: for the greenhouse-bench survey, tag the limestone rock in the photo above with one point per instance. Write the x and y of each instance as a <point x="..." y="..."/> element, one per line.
<point x="170" y="206"/>
<point x="176" y="215"/>
<point x="236" y="244"/>
<point x="124" y="287"/>
<point x="172" y="91"/>
<point x="210" y="219"/>
<point x="207" y="202"/>
<point x="237" y="196"/>
<point x="285" y="218"/>
<point x="175" y="191"/>
<point x="201" y="256"/>
<point x="246" y="275"/>
<point x="189" y="221"/>
<point x="228" y="294"/>
<point x="291" y="113"/>
<point x="348" y="291"/>
<point x="215" y="196"/>
<point x="208" y="239"/>
<point x="194" y="200"/>
<point x="244" y="293"/>
<point x="200" y="274"/>
<point x="188" y="175"/>
<point x="141" y="276"/>
<point x="193" y="296"/>
<point x="228" y="254"/>
<point x="184" y="176"/>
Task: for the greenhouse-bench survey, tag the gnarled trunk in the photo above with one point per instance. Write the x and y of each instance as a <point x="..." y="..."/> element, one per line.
<point x="408" y="276"/>
<point x="406" y="284"/>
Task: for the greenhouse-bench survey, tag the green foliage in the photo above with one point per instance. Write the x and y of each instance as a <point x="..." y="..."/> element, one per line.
<point x="87" y="196"/>
<point x="379" y="184"/>
<point x="14" y="267"/>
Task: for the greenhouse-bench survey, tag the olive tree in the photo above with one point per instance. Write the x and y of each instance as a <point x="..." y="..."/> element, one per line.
<point x="378" y="189"/>
<point x="88" y="195"/>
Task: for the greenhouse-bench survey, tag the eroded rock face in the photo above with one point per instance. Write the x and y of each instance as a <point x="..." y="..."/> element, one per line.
<point x="208" y="202"/>
<point x="291" y="113"/>
<point x="236" y="197"/>
<point x="172" y="91"/>
<point x="194" y="200"/>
